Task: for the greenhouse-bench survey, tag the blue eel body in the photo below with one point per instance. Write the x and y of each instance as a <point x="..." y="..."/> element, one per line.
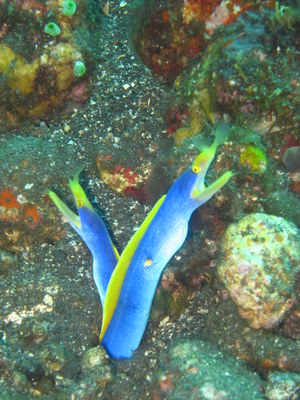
<point x="164" y="236"/>
<point x="96" y="237"/>
<point x="127" y="284"/>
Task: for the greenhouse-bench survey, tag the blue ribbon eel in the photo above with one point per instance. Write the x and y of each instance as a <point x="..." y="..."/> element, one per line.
<point x="133" y="282"/>
<point x="90" y="226"/>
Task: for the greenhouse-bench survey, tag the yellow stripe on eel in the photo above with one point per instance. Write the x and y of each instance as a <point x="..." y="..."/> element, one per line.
<point x="118" y="276"/>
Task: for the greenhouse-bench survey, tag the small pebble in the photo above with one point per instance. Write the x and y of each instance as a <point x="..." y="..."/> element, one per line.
<point x="28" y="186"/>
<point x="94" y="356"/>
<point x="6" y="259"/>
<point x="67" y="128"/>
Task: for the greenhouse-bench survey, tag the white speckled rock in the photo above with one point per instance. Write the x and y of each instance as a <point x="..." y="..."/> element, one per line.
<point x="94" y="357"/>
<point x="259" y="257"/>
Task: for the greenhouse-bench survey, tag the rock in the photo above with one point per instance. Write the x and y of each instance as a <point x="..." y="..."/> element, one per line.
<point x="291" y="325"/>
<point x="291" y="159"/>
<point x="32" y="330"/>
<point x="283" y="386"/>
<point x="7" y="260"/>
<point x="259" y="258"/>
<point x="54" y="357"/>
<point x="94" y="357"/>
<point x="19" y="381"/>
<point x="198" y="370"/>
<point x="96" y="375"/>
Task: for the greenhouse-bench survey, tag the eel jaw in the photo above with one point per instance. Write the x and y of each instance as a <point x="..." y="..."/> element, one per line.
<point x="71" y="217"/>
<point x="203" y="194"/>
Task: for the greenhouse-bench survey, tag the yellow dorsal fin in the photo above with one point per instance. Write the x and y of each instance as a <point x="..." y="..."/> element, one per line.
<point x="118" y="276"/>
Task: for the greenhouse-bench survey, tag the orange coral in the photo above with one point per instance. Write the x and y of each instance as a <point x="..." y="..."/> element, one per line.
<point x="30" y="210"/>
<point x="9" y="202"/>
<point x="8" y="199"/>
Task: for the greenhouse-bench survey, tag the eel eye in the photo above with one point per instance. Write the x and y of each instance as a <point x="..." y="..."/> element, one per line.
<point x="196" y="169"/>
<point x="80" y="203"/>
<point x="148" y="262"/>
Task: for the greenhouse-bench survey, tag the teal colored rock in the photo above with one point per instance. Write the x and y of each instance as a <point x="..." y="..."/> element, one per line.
<point x="283" y="386"/>
<point x="52" y="29"/>
<point x="68" y="8"/>
<point x="79" y="69"/>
